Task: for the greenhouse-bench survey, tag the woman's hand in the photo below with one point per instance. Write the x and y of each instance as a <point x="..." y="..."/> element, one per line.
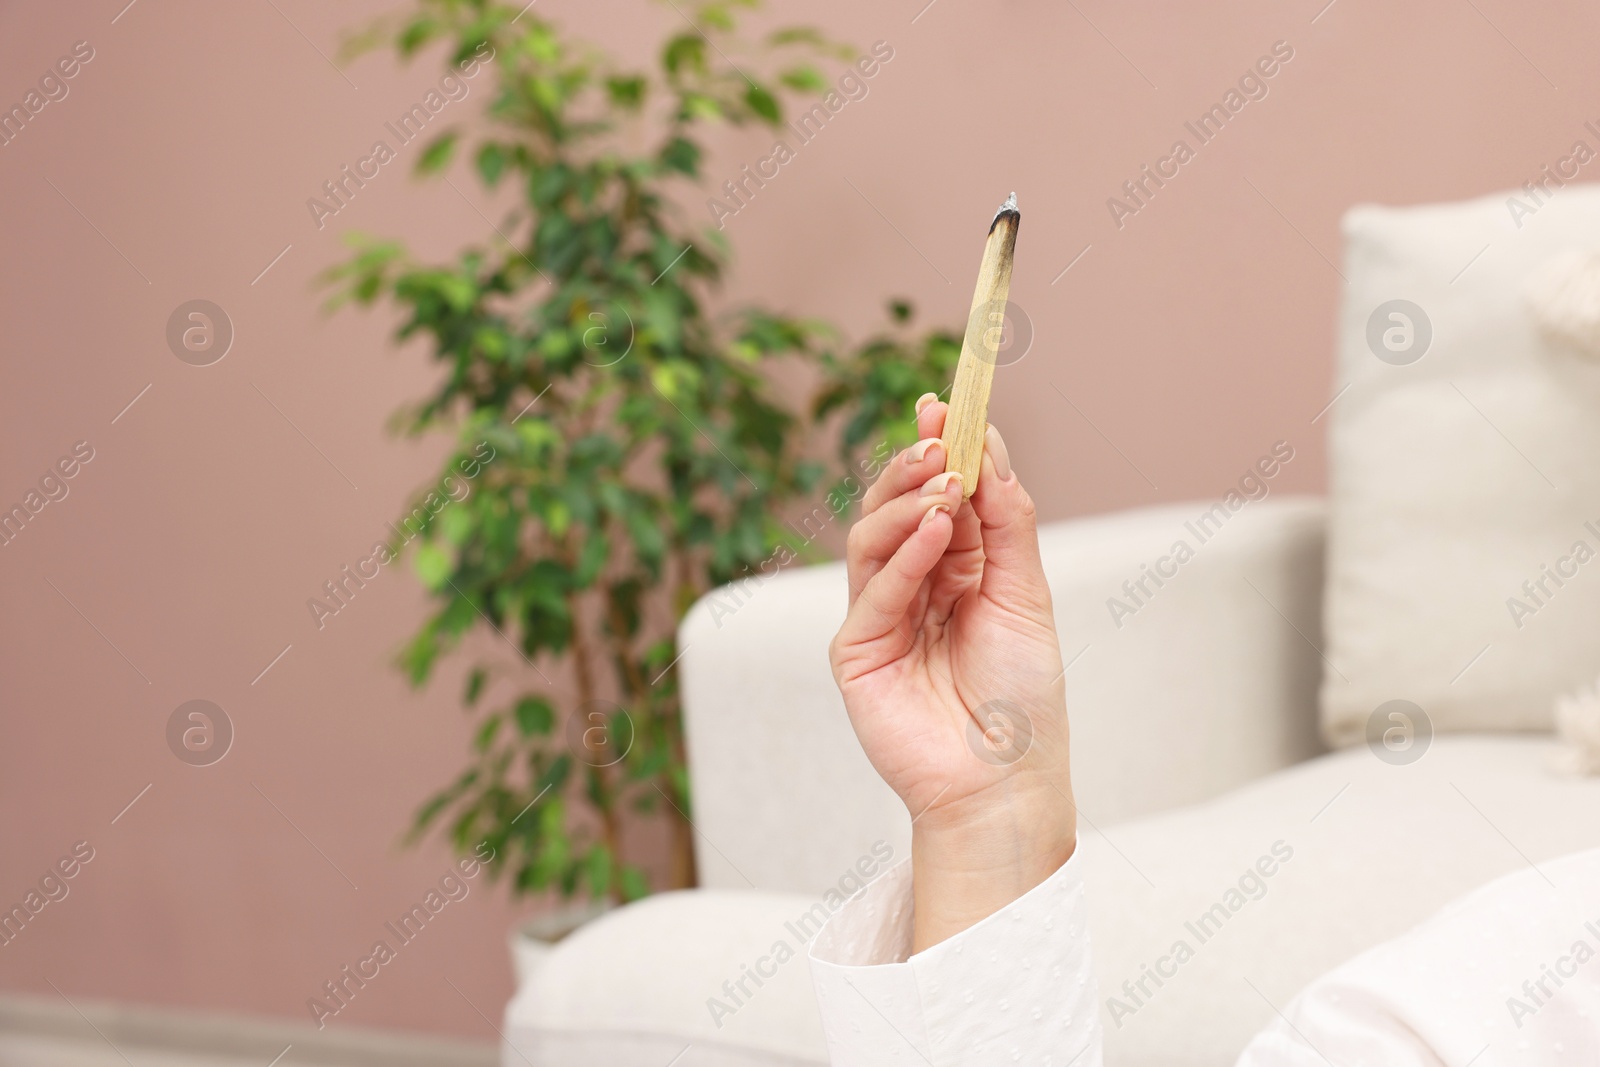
<point x="951" y="672"/>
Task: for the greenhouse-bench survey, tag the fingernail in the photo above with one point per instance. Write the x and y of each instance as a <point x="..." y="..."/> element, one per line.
<point x="919" y="451"/>
<point x="924" y="400"/>
<point x="931" y="513"/>
<point x="941" y="484"/>
<point x="997" y="452"/>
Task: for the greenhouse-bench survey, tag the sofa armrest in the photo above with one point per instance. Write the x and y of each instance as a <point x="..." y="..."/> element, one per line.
<point x="722" y="971"/>
<point x="1219" y="662"/>
<point x="1218" y="665"/>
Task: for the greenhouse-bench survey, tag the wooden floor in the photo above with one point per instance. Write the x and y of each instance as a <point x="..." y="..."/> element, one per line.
<point x="42" y="1033"/>
<point x="36" y="1051"/>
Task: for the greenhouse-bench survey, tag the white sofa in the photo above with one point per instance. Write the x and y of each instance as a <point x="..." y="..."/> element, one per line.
<point x="1194" y="751"/>
<point x="1463" y="432"/>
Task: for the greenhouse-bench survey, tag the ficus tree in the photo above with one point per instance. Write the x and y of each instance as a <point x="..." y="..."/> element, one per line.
<point x="641" y="452"/>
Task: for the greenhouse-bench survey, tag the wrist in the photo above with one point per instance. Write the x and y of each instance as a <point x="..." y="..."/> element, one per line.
<point x="975" y="856"/>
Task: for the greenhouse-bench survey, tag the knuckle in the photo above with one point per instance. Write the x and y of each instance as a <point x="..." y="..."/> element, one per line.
<point x="905" y="570"/>
<point x="1027" y="512"/>
<point x="855" y="541"/>
<point x="836" y="657"/>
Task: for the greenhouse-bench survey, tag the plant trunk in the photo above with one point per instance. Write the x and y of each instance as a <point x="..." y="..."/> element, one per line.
<point x="682" y="873"/>
<point x="600" y="777"/>
<point x="683" y="869"/>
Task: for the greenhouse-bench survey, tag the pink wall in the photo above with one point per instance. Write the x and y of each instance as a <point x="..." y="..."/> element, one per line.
<point x="178" y="566"/>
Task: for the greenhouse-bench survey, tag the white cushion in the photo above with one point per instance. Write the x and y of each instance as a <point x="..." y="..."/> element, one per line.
<point x="1457" y="476"/>
<point x="1376" y="848"/>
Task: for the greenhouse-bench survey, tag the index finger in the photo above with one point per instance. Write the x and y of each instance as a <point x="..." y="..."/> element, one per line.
<point x="913" y="465"/>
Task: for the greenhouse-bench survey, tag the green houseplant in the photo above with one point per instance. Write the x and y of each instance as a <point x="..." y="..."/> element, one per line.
<point x="632" y="449"/>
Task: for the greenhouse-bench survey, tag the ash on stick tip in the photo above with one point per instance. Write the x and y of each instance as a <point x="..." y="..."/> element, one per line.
<point x="1009" y="206"/>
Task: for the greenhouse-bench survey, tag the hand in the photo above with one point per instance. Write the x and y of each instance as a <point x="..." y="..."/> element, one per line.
<point x="951" y="673"/>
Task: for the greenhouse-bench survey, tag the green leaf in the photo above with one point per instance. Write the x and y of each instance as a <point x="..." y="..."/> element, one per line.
<point x="596" y="550"/>
<point x="804" y="79"/>
<point x="687" y="51"/>
<point x="633" y="884"/>
<point x="416" y="35"/>
<point x="715" y="15"/>
<point x="418" y="655"/>
<point x="491" y="163"/>
<point x="702" y="106"/>
<point x="469" y="44"/>
<point x="556" y="776"/>
<point x="433" y="566"/>
<point x="475" y="683"/>
<point x="557" y="517"/>
<point x="648" y="541"/>
<point x="627" y="93"/>
<point x="763" y="103"/>
<point x="796" y="35"/>
<point x="535" y="717"/>
<point x="438" y="154"/>
<point x="542" y="44"/>
<point x="486" y="733"/>
<point x="681" y="155"/>
<point x="548" y="92"/>
<point x="599" y="864"/>
<point x="456" y="524"/>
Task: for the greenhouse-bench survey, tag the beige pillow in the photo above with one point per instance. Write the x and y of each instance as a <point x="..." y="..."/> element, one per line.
<point x="1464" y="513"/>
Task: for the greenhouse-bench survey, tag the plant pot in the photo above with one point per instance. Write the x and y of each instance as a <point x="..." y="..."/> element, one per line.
<point x="533" y="941"/>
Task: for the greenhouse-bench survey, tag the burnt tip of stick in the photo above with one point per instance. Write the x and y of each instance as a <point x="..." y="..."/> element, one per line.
<point x="1007" y="208"/>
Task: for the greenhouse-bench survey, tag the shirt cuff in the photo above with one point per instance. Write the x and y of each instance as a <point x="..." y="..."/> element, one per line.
<point x="1015" y="988"/>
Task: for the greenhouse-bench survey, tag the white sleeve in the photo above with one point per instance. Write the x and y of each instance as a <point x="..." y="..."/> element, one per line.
<point x="1507" y="967"/>
<point x="1016" y="988"/>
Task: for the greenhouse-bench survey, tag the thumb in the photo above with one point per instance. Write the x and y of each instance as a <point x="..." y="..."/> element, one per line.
<point x="1013" y="573"/>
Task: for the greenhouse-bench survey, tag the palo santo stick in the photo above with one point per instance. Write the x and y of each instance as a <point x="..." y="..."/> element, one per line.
<point x="969" y="397"/>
